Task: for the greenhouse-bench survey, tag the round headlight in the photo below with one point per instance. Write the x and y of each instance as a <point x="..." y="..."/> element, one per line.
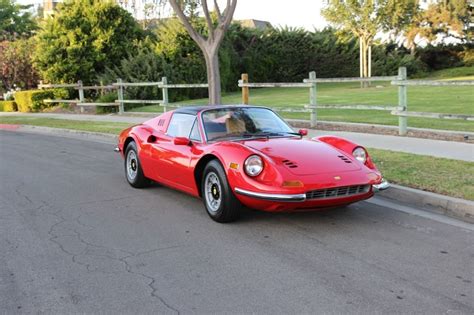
<point x="253" y="165"/>
<point x="360" y="154"/>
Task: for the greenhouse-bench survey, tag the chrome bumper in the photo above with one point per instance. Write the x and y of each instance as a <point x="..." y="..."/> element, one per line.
<point x="117" y="149"/>
<point x="382" y="186"/>
<point x="272" y="197"/>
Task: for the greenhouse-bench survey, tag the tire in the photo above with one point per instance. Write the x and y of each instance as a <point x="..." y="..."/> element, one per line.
<point x="219" y="200"/>
<point x="133" y="168"/>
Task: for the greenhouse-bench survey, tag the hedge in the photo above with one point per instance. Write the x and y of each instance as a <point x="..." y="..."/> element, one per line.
<point x="8" y="106"/>
<point x="32" y="100"/>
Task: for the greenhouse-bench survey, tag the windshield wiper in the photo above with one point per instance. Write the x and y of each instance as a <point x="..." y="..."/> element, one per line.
<point x="268" y="134"/>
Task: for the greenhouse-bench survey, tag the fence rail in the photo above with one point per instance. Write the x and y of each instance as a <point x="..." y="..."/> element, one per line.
<point x="433" y="83"/>
<point x="399" y="80"/>
<point x="120" y="87"/>
<point x="354" y="79"/>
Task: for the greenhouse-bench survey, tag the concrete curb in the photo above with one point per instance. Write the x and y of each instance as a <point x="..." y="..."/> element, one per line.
<point x="449" y="206"/>
<point x="69" y="133"/>
<point x="453" y="207"/>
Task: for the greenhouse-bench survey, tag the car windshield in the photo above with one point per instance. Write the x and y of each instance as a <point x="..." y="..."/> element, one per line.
<point x="243" y="122"/>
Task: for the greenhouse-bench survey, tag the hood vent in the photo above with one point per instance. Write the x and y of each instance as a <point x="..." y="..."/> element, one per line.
<point x="346" y="160"/>
<point x="161" y="122"/>
<point x="290" y="164"/>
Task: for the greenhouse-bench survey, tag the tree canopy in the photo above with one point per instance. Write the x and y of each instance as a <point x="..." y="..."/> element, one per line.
<point x="364" y="19"/>
<point x="15" y="20"/>
<point x="83" y="38"/>
<point x="441" y="19"/>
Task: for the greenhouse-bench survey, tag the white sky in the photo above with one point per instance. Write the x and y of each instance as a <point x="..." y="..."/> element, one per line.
<point x="295" y="13"/>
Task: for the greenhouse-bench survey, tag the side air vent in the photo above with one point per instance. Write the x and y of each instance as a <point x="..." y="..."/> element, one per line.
<point x="290" y="164"/>
<point x="346" y="160"/>
<point x="161" y="122"/>
<point x="337" y="192"/>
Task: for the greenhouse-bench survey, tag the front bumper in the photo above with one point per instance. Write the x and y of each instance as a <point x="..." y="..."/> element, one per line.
<point x="272" y="197"/>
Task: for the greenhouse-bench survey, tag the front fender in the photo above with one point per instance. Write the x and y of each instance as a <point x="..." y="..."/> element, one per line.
<point x="346" y="146"/>
<point x="233" y="155"/>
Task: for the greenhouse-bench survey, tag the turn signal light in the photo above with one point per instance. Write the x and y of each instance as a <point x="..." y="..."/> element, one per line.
<point x="292" y="183"/>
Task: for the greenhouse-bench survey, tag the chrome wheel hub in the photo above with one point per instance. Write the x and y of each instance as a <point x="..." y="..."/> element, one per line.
<point x="132" y="165"/>
<point x="213" y="191"/>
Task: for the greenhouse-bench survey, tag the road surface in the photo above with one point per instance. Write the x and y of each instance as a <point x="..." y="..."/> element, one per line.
<point x="75" y="237"/>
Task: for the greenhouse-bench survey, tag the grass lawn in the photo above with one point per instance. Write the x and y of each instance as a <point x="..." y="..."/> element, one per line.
<point x="105" y="127"/>
<point x="454" y="100"/>
<point x="444" y="176"/>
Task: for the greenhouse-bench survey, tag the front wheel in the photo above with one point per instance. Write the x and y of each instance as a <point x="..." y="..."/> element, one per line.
<point x="133" y="168"/>
<point x="219" y="200"/>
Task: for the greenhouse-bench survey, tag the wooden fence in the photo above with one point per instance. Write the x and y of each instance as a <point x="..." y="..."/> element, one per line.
<point x="311" y="82"/>
<point x="120" y="87"/>
<point x="399" y="80"/>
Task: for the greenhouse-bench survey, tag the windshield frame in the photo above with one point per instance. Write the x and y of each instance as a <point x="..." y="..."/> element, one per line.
<point x="204" y="132"/>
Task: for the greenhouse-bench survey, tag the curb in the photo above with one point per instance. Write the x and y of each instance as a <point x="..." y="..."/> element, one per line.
<point x="452" y="207"/>
<point x="431" y="202"/>
<point x="61" y="132"/>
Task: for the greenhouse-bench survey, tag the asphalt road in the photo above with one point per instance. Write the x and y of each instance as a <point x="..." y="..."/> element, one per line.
<point x="75" y="237"/>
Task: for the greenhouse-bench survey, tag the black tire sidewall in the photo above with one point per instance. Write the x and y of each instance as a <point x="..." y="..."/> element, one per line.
<point x="229" y="207"/>
<point x="140" y="180"/>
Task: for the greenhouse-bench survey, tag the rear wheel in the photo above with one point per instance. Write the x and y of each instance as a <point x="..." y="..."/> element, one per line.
<point x="133" y="168"/>
<point x="219" y="200"/>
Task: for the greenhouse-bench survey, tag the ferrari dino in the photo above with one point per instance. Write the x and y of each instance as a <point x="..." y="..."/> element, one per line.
<point x="235" y="156"/>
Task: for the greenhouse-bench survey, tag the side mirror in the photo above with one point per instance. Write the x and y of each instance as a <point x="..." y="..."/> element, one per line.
<point x="181" y="141"/>
<point x="303" y="132"/>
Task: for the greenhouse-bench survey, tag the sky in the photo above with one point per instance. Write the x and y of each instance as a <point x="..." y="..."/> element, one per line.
<point x="295" y="13"/>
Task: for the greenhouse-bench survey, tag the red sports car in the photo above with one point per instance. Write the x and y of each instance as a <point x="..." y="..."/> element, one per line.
<point x="232" y="156"/>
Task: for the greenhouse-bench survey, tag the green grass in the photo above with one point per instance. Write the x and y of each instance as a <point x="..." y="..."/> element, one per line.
<point x="444" y="176"/>
<point x="454" y="100"/>
<point x="105" y="127"/>
<point x="459" y="73"/>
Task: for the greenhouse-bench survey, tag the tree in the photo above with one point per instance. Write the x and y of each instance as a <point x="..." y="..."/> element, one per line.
<point x="364" y="19"/>
<point x="210" y="43"/>
<point x="15" y="20"/>
<point x="83" y="38"/>
<point x="445" y="18"/>
<point x="16" y="67"/>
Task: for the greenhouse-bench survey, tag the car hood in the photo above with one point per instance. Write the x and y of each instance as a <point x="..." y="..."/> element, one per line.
<point x="304" y="157"/>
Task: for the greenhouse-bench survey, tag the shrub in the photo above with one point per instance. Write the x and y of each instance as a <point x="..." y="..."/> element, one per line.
<point x="107" y="98"/>
<point x="8" y="106"/>
<point x="32" y="100"/>
<point x="83" y="38"/>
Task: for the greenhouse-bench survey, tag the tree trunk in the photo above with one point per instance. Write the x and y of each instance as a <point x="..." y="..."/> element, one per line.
<point x="213" y="76"/>
<point x="361" y="62"/>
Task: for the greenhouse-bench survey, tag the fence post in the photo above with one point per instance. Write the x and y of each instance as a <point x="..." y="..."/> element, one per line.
<point x="120" y="95"/>
<point x="245" y="89"/>
<point x="402" y="102"/>
<point x="164" y="89"/>
<point x="312" y="99"/>
<point x="81" y="94"/>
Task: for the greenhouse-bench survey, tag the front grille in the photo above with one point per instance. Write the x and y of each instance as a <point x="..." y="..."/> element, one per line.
<point x="336" y="192"/>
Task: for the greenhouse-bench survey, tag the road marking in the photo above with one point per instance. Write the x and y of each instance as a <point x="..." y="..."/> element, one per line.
<point x="421" y="213"/>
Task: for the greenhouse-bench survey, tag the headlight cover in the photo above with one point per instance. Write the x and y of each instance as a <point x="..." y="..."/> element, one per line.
<point x="360" y="154"/>
<point x="253" y="165"/>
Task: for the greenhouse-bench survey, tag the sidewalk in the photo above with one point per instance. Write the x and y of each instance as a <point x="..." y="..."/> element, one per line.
<point x="437" y="148"/>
